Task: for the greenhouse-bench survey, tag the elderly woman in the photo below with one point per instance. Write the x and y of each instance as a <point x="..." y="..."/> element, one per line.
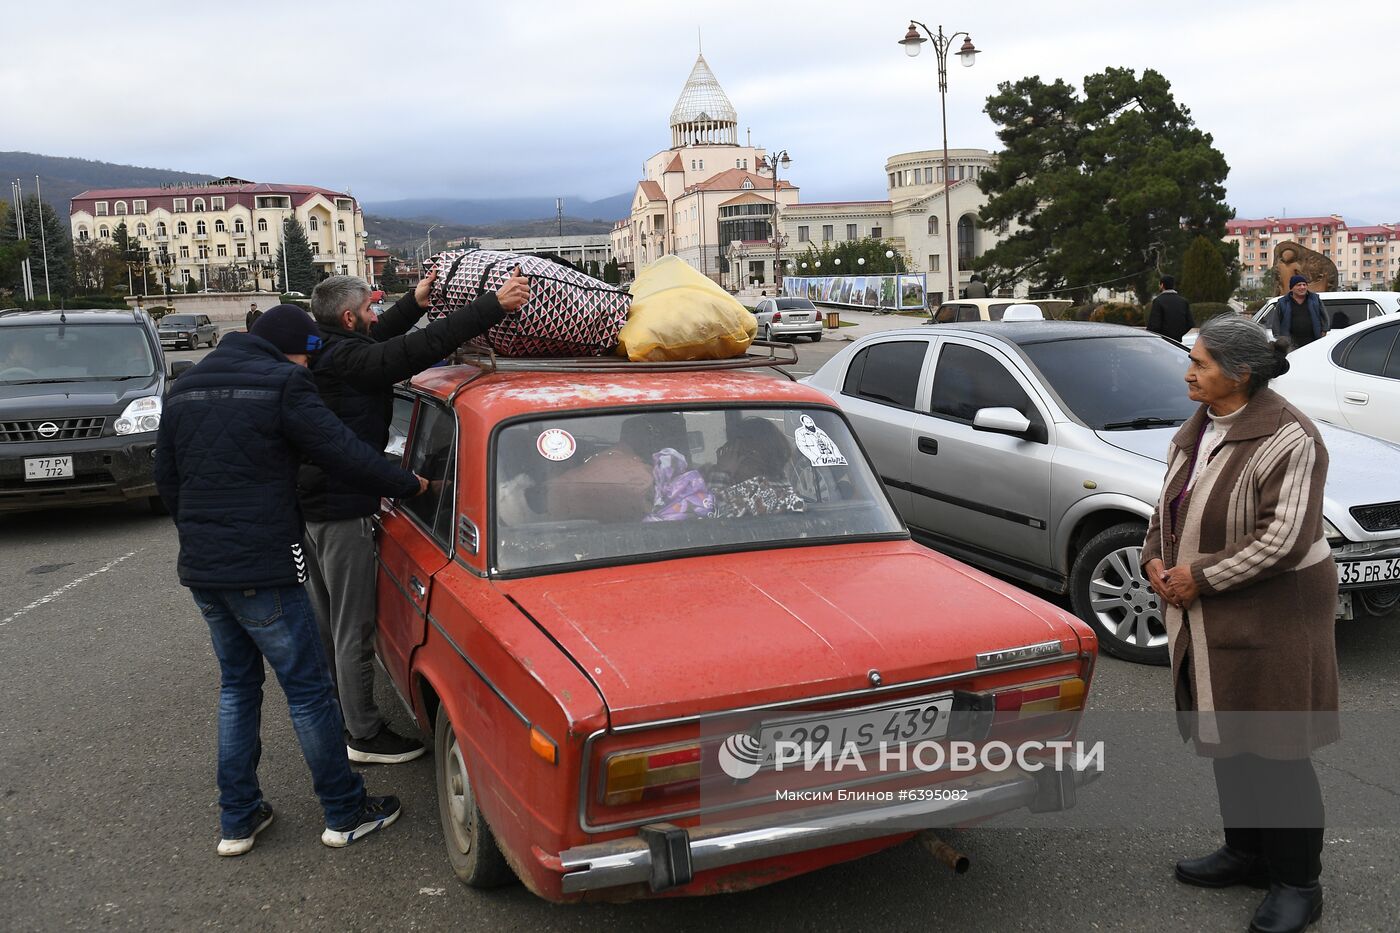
<point x="1236" y="549"/>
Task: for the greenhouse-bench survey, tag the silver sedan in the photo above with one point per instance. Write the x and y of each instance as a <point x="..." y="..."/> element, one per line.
<point x="1037" y="450"/>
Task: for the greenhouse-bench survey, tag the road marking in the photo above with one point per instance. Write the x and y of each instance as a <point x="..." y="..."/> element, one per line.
<point x="66" y="587"/>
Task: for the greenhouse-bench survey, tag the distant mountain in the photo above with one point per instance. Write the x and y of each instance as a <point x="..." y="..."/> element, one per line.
<point x="490" y="211"/>
<point x="64" y="179"/>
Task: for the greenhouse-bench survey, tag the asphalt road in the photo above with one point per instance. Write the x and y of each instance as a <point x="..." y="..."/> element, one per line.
<point x="108" y="814"/>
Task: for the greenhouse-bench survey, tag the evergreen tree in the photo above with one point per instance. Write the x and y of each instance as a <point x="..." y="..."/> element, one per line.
<point x="301" y="268"/>
<point x="54" y="243"/>
<point x="612" y="274"/>
<point x="1203" y="274"/>
<point x="389" y="279"/>
<point x="192" y="286"/>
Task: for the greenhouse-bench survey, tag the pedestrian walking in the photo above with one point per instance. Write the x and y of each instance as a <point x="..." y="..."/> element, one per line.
<point x="235" y="429"/>
<point x="1237" y="550"/>
<point x="1300" y="314"/>
<point x="364" y="357"/>
<point x="251" y="317"/>
<point x="1170" y="314"/>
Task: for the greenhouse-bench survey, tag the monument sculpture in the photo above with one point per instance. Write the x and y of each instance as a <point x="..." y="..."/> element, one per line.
<point x="1293" y="258"/>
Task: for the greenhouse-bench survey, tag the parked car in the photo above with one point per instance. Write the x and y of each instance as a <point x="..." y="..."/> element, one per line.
<point x="783" y="318"/>
<point x="1039" y="450"/>
<point x="581" y="670"/>
<point x="965" y="310"/>
<point x="188" y="330"/>
<point x="80" y="401"/>
<point x="1350" y="377"/>
<point x="1344" y="309"/>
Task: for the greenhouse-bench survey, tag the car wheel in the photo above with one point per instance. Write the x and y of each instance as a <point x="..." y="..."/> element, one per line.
<point x="192" y="343"/>
<point x="1111" y="593"/>
<point x="816" y="338"/>
<point x="471" y="847"/>
<point x="767" y="332"/>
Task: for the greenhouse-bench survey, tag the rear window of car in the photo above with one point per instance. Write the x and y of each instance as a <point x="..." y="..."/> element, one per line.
<point x="182" y="320"/>
<point x="795" y="304"/>
<point x="71" y="352"/>
<point x="612" y="489"/>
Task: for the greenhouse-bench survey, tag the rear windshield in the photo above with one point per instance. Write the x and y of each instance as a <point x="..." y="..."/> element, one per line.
<point x="34" y="353"/>
<point x="183" y="320"/>
<point x="795" y="304"/>
<point x="627" y="488"/>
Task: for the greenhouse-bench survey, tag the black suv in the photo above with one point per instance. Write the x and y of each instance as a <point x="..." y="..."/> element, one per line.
<point x="80" y="401"/>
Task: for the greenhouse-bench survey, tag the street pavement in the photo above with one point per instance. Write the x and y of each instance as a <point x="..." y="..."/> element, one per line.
<point x="108" y="816"/>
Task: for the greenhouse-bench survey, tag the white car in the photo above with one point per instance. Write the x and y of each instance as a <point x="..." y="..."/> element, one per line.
<point x="1351" y="377"/>
<point x="786" y="318"/>
<point x="1344" y="309"/>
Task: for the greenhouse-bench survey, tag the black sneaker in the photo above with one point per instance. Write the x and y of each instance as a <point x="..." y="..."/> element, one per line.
<point x="375" y="813"/>
<point x="386" y="747"/>
<point x="262" y="819"/>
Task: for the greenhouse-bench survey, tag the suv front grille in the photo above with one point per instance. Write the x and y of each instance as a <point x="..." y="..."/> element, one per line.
<point x="15" y="432"/>
<point x="1383" y="517"/>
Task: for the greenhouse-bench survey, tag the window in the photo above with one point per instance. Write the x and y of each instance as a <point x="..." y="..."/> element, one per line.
<point x="141" y="230"/>
<point x="263" y="250"/>
<point x="893" y="184"/>
<point x="138" y="207"/>
<point x="692" y="165"/>
<point x="887" y="373"/>
<point x="82" y="233"/>
<point x="200" y="228"/>
<point x="967" y="241"/>
<point x="184" y="252"/>
<point x="803" y="233"/>
<point x="314" y="224"/>
<point x="934" y="261"/>
<point x="1346" y="311"/>
<point x="185" y="273"/>
<point x="160" y="228"/>
<point x="182" y="228"/>
<point x="430" y="455"/>
<point x="967" y="380"/>
<point x="738" y="163"/>
<point x="828" y="233"/>
<point x="178" y="205"/>
<point x="340" y="225"/>
<point x="877" y="233"/>
<point x="1370" y="353"/>
<point x="242" y="251"/>
<point x="221" y="250"/>
<point x="852" y="232"/>
<point x="238" y="226"/>
<point x="219" y="226"/>
<point x="104" y="233"/>
<point x="342" y="246"/>
<point x="199" y="205"/>
<point x="100" y="208"/>
<point x="119" y="208"/>
<point x="262" y="224"/>
<point x="204" y="252"/>
<point x="344" y="204"/>
<point x="702" y="165"/>
<point x="932" y="225"/>
<point x="216" y="204"/>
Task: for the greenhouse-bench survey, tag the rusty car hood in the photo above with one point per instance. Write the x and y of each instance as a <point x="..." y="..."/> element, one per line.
<point x="703" y="634"/>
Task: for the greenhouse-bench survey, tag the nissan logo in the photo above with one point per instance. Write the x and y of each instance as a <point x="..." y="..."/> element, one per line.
<point x="48" y="429"/>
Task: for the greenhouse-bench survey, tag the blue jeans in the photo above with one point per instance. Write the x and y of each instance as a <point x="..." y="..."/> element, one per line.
<point x="275" y="623"/>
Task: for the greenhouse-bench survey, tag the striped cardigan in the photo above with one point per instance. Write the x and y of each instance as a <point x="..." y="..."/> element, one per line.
<point x="1259" y="637"/>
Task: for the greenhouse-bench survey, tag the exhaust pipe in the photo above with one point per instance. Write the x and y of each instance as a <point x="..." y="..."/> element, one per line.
<point x="943" y="852"/>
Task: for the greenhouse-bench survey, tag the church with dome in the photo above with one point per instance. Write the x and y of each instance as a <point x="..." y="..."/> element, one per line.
<point x="709" y="198"/>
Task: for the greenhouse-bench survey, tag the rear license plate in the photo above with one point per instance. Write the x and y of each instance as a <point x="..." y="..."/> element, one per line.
<point x="864" y="729"/>
<point x="38" y="468"/>
<point x="1353" y="572"/>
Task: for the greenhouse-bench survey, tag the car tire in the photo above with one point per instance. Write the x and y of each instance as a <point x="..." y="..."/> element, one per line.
<point x="192" y="343"/>
<point x="471" y="846"/>
<point x="1110" y="592"/>
<point x="767" y="332"/>
<point x="816" y="338"/>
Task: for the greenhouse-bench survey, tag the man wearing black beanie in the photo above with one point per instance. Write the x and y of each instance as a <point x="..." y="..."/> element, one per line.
<point x="235" y="430"/>
<point x="356" y="371"/>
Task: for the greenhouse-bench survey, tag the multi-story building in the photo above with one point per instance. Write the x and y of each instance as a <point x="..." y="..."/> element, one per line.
<point x="578" y="248"/>
<point x="1366" y="257"/>
<point x="227" y="231"/>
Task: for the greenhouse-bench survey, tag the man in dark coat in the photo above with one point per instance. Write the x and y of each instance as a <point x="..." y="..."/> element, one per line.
<point x="1170" y="315"/>
<point x="975" y="288"/>
<point x="364" y="357"/>
<point x="251" y="317"/>
<point x="234" y="431"/>
<point x="1300" y="314"/>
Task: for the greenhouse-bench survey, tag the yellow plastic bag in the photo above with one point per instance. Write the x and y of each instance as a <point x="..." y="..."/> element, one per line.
<point x="679" y="314"/>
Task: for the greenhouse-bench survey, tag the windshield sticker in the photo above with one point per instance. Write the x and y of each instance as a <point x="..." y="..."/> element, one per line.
<point x="556" y="445"/>
<point x="816" y="444"/>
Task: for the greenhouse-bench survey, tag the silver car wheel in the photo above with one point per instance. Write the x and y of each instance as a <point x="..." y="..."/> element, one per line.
<point x="1124" y="602"/>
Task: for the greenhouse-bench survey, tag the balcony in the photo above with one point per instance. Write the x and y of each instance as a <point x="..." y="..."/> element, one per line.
<point x="201" y="236"/>
<point x="161" y="238"/>
<point x="240" y="234"/>
<point x="324" y="257"/>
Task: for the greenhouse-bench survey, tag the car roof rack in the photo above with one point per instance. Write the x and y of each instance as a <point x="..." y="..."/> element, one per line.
<point x="774" y="355"/>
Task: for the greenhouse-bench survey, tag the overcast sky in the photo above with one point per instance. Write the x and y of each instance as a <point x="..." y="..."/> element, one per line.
<point x="541" y="97"/>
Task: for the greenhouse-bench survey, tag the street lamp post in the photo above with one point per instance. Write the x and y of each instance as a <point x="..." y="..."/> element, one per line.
<point x="778" y="159"/>
<point x="967" y="54"/>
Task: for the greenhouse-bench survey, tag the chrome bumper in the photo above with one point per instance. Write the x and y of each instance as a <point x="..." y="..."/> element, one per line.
<point x="666" y="856"/>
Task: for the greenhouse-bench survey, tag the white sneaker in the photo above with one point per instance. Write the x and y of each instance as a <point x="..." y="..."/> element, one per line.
<point x="376" y="813"/>
<point x="262" y="819"/>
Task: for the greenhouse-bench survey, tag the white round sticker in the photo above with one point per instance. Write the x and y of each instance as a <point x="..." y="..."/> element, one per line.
<point x="556" y="444"/>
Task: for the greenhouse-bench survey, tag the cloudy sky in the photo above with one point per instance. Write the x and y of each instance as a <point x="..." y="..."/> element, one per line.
<point x="541" y="97"/>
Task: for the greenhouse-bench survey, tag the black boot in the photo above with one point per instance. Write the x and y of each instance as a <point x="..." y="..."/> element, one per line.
<point x="1288" y="908"/>
<point x="1222" y="868"/>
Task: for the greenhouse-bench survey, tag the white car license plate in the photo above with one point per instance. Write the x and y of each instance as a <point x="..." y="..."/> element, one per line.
<point x="48" y="468"/>
<point x="864" y="729"/>
<point x="1353" y="572"/>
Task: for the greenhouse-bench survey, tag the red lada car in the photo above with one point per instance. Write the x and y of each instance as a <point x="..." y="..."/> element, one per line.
<point x="630" y="584"/>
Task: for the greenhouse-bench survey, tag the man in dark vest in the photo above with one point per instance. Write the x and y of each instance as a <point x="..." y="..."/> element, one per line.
<point x="1300" y="314"/>
<point x="1171" y="313"/>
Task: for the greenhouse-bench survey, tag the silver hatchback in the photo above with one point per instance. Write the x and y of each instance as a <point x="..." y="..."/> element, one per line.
<point x="785" y="318"/>
<point x="1038" y="449"/>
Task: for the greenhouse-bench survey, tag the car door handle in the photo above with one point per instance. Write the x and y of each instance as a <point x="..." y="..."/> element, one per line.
<point x="1357" y="398"/>
<point x="419" y="590"/>
<point x="928" y="445"/>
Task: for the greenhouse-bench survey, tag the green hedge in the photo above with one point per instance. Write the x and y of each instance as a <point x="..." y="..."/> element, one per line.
<point x="1112" y="312"/>
<point x="303" y="303"/>
<point x="1255" y="305"/>
<point x="1203" y="311"/>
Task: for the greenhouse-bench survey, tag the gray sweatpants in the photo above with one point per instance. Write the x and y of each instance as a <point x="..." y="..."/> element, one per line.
<point x="341" y="580"/>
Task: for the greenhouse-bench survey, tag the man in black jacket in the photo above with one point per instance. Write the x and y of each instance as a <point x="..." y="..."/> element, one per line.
<point x="1171" y="313"/>
<point x="356" y="371"/>
<point x="234" y="432"/>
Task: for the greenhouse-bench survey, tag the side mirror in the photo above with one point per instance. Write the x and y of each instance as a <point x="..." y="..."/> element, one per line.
<point x="1001" y="421"/>
<point x="178" y="367"/>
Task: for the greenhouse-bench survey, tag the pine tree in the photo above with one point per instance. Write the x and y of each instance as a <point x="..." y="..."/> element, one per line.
<point x="301" y="268"/>
<point x="1203" y="275"/>
<point x="53" y="242"/>
<point x="389" y="279"/>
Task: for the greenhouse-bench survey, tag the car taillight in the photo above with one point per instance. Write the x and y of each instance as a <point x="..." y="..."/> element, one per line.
<point x="1054" y="697"/>
<point x="777" y="315"/>
<point x="631" y="777"/>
